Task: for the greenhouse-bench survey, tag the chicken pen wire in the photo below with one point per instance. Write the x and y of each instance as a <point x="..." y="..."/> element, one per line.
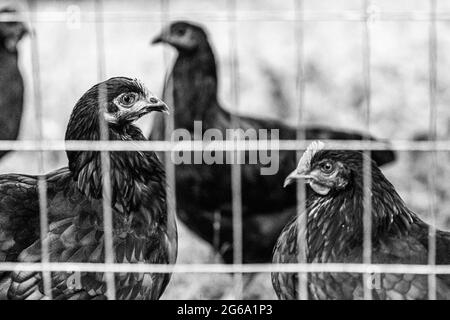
<point x="368" y="15"/>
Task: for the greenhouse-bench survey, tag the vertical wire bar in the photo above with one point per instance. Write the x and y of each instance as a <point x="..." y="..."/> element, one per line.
<point x="217" y="225"/>
<point x="170" y="120"/>
<point x="367" y="172"/>
<point x="302" y="218"/>
<point x="236" y="185"/>
<point x="432" y="56"/>
<point x="42" y="183"/>
<point x="170" y="125"/>
<point x="104" y="155"/>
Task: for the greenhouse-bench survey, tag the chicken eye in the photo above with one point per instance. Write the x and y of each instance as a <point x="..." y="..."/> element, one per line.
<point x="127" y="99"/>
<point x="327" y="167"/>
<point x="180" y="32"/>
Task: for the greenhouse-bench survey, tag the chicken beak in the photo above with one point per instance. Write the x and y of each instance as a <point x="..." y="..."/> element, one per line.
<point x="157" y="39"/>
<point x="294" y="175"/>
<point x="23" y="30"/>
<point x="156" y="104"/>
<point x="15" y="36"/>
<point x="163" y="37"/>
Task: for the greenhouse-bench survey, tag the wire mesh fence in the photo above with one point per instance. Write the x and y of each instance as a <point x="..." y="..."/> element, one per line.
<point x="367" y="16"/>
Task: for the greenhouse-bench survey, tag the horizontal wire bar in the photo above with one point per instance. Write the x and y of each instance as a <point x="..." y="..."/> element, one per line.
<point x="241" y="15"/>
<point x="220" y="145"/>
<point x="226" y="268"/>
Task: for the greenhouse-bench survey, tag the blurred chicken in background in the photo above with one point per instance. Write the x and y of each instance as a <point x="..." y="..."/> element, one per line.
<point x="204" y="191"/>
<point x="11" y="82"/>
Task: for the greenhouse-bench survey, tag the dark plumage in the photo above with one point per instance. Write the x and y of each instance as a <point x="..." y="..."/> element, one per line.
<point x="11" y="83"/>
<point x="144" y="232"/>
<point x="202" y="190"/>
<point x="334" y="232"/>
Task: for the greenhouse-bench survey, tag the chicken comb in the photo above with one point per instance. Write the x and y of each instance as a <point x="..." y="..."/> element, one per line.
<point x="142" y="86"/>
<point x="305" y="160"/>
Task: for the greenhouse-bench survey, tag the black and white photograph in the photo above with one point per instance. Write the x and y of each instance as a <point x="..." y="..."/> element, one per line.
<point x="242" y="151"/>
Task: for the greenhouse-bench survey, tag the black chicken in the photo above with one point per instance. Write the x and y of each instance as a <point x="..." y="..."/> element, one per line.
<point x="11" y="83"/>
<point x="204" y="190"/>
<point x="334" y="232"/>
<point x="144" y="232"/>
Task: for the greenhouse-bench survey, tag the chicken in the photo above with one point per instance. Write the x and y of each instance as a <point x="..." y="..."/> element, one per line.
<point x="11" y="82"/>
<point x="204" y="191"/>
<point x="334" y="232"/>
<point x="143" y="230"/>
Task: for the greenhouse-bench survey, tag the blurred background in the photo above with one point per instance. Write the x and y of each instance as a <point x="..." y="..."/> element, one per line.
<point x="266" y="51"/>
